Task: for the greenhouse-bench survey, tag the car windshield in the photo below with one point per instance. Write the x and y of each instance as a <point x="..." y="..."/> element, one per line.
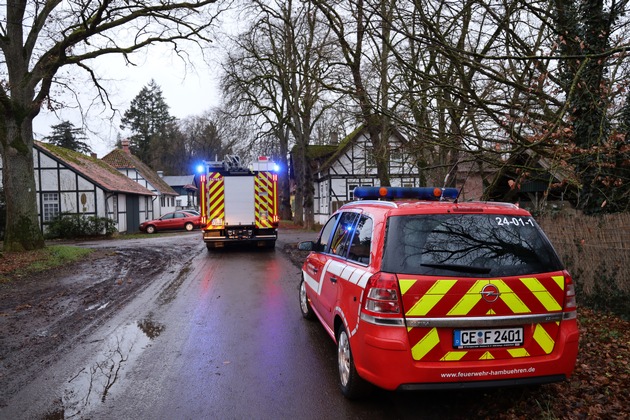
<point x="467" y="245"/>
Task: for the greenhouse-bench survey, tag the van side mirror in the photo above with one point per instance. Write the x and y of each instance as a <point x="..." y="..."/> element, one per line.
<point x="306" y="246"/>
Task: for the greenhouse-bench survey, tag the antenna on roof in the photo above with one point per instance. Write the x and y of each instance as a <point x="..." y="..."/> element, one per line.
<point x="447" y="177"/>
<point x="463" y="184"/>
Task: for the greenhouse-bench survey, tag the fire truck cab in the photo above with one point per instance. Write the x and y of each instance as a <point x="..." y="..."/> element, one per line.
<point x="239" y="204"/>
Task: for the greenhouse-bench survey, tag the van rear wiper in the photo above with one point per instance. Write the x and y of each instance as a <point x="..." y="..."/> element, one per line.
<point x="460" y="268"/>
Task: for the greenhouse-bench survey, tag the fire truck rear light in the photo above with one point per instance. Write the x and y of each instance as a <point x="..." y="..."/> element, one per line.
<point x="382" y="294"/>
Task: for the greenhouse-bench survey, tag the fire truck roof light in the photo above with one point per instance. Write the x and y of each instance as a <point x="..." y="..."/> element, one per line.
<point x="417" y="193"/>
<point x="200" y="169"/>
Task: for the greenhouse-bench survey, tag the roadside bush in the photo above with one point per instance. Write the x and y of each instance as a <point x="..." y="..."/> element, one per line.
<point x="69" y="225"/>
<point x="606" y="297"/>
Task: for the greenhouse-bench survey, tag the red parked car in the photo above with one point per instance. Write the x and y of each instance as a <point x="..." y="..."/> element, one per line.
<point x="176" y="220"/>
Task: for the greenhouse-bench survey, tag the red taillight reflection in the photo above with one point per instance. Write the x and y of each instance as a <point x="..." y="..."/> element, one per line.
<point x="382" y="294"/>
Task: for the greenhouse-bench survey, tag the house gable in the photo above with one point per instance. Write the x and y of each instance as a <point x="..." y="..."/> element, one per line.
<point x="135" y="169"/>
<point x="71" y="182"/>
<point x="351" y="164"/>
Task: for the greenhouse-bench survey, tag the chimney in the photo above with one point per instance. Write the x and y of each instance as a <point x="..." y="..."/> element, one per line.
<point x="125" y="146"/>
<point x="94" y="155"/>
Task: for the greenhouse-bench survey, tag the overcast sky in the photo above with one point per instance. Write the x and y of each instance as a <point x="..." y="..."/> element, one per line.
<point x="188" y="91"/>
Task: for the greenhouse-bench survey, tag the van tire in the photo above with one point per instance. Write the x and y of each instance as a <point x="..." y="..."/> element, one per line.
<point x="351" y="384"/>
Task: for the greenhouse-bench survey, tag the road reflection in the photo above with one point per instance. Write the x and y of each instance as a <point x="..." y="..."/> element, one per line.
<point x="94" y="383"/>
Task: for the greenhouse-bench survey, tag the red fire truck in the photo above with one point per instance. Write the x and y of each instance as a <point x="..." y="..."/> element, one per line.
<point x="239" y="204"/>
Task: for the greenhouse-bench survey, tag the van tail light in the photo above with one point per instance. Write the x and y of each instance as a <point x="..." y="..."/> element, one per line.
<point x="570" y="303"/>
<point x="382" y="294"/>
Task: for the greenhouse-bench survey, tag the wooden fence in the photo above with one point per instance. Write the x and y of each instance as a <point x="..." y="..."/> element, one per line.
<point x="594" y="249"/>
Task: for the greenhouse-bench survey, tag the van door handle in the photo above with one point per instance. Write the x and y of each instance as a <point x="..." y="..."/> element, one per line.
<point x="333" y="279"/>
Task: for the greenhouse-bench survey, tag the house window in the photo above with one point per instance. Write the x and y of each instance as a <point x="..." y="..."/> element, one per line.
<point x="370" y="161"/>
<point x="396" y="157"/>
<point x="147" y="206"/>
<point x="351" y="188"/>
<point x="50" y="203"/>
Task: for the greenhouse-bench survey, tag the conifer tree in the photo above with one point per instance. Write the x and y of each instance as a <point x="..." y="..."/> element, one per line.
<point x="65" y="134"/>
<point x="150" y="122"/>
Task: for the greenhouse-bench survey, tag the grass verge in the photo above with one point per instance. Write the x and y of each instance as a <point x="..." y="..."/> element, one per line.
<point x="22" y="264"/>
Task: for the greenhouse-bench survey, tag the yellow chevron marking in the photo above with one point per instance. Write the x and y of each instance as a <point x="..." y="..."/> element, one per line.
<point x="453" y="356"/>
<point x="431" y="298"/>
<point x="487" y="356"/>
<point x="542" y="294"/>
<point x="559" y="281"/>
<point x="491" y="312"/>
<point x="425" y="345"/>
<point x="469" y="299"/>
<point x="264" y="203"/>
<point x="543" y="339"/>
<point x="520" y="352"/>
<point x="405" y="285"/>
<point x="510" y="298"/>
<point x="216" y="194"/>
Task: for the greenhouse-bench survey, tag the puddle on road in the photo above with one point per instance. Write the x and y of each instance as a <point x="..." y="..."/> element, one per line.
<point x="94" y="383"/>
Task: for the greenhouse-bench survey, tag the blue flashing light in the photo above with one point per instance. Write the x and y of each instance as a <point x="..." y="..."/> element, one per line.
<point x="201" y="169"/>
<point x="418" y="193"/>
<point x="276" y="167"/>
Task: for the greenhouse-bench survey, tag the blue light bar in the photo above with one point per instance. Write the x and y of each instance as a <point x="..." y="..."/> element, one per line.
<point x="417" y="193"/>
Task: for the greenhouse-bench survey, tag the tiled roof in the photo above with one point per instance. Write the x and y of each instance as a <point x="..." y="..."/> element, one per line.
<point x="120" y="159"/>
<point x="179" y="180"/>
<point x="95" y="170"/>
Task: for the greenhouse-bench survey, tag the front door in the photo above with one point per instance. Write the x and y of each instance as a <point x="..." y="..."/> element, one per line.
<point x="133" y="213"/>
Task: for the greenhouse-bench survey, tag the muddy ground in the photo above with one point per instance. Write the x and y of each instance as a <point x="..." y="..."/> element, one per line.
<point x="43" y="314"/>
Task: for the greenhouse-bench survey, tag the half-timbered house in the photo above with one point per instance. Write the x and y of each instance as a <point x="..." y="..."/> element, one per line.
<point x="132" y="167"/>
<point x="337" y="169"/>
<point x="184" y="185"/>
<point x="74" y="183"/>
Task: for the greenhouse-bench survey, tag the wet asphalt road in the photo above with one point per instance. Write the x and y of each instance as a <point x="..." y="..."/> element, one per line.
<point x="226" y="342"/>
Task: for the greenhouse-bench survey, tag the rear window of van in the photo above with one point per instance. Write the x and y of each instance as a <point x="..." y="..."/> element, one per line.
<point x="467" y="245"/>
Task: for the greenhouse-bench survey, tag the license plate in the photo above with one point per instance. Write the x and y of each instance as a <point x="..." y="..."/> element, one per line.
<point x="496" y="337"/>
<point x="217" y="222"/>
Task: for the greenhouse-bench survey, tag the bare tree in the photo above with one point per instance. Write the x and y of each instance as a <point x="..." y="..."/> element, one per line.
<point x="205" y="138"/>
<point x="352" y="21"/>
<point x="37" y="39"/>
<point x="506" y="84"/>
<point x="275" y="75"/>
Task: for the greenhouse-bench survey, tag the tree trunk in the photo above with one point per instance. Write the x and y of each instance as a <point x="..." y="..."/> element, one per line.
<point x="22" y="229"/>
<point x="299" y="167"/>
<point x="283" y="178"/>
